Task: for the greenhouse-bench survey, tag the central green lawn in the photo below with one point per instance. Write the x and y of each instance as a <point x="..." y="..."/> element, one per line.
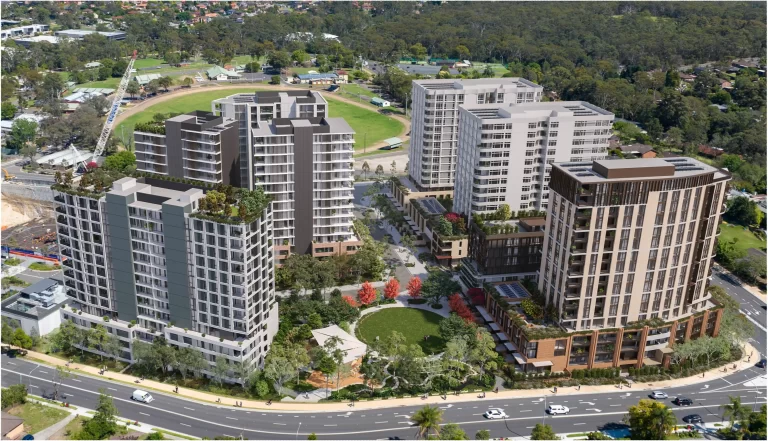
<point x="746" y="239"/>
<point x="109" y="83"/>
<point x="141" y="63"/>
<point x="413" y="323"/>
<point x="37" y="416"/>
<point x="370" y="126"/>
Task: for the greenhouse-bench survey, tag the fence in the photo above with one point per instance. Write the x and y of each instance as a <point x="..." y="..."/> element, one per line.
<point x="29" y="253"/>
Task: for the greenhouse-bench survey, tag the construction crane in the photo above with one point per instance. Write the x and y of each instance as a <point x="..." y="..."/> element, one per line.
<point x="107" y="129"/>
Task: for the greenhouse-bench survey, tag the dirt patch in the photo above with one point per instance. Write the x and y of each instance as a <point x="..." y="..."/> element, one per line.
<point x="37" y="235"/>
<point x="317" y="378"/>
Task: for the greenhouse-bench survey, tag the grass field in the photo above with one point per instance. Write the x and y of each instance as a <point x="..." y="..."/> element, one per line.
<point x="141" y="63"/>
<point x="370" y="126"/>
<point x="37" y="416"/>
<point x="413" y="323"/>
<point x="746" y="239"/>
<point x="109" y="83"/>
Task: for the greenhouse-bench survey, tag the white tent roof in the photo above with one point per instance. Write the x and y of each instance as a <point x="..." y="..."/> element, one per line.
<point x="352" y="347"/>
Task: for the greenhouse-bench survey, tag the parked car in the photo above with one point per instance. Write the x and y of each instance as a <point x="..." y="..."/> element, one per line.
<point x="495" y="414"/>
<point x="659" y="395"/>
<point x="556" y="409"/>
<point x="682" y="401"/>
<point x="761" y="364"/>
<point x="693" y="419"/>
<point x="142" y="396"/>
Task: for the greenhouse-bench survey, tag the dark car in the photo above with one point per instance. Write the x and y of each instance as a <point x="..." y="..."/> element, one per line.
<point x="761" y="364"/>
<point x="682" y="401"/>
<point x="693" y="419"/>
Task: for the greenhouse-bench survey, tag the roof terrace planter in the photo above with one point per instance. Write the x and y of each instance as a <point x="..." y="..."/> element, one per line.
<point x="150" y="127"/>
<point x="651" y="323"/>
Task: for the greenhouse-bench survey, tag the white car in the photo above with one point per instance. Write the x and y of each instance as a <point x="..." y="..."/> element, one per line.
<point x="142" y="396"/>
<point x="495" y="414"/>
<point x="659" y="395"/>
<point x="556" y="409"/>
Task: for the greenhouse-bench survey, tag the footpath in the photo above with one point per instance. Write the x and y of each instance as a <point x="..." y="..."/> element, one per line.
<point x="197" y="395"/>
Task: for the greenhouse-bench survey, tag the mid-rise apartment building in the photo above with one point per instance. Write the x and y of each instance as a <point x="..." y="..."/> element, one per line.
<point x="199" y="146"/>
<point x="435" y="122"/>
<point x="305" y="166"/>
<point x="252" y="109"/>
<point x="145" y="259"/>
<point x="506" y="151"/>
<point x="630" y="240"/>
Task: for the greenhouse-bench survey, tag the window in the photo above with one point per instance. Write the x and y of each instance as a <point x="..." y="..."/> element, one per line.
<point x="560" y="347"/>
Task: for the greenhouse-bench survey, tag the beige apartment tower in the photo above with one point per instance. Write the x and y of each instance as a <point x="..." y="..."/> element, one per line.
<point x="630" y="240"/>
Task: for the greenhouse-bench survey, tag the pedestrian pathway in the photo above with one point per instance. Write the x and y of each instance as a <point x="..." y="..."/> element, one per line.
<point x="227" y="401"/>
<point x="48" y="432"/>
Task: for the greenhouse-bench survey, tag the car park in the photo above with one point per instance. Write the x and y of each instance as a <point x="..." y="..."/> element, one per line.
<point x="495" y="414"/>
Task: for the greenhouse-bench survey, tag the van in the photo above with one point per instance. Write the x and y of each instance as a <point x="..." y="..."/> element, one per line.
<point x="556" y="409"/>
<point x="142" y="396"/>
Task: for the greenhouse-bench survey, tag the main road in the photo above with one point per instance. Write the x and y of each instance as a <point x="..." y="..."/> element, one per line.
<point x="588" y="411"/>
<point x="750" y="305"/>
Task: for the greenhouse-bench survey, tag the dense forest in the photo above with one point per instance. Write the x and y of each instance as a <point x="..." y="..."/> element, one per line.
<point x="623" y="56"/>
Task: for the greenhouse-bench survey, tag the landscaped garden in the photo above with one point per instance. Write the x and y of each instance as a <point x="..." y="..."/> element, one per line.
<point x="746" y="238"/>
<point x="370" y="126"/>
<point x="413" y="323"/>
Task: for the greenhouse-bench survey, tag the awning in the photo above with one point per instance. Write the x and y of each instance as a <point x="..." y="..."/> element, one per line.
<point x="667" y="350"/>
<point x="494" y="327"/>
<point x="542" y="363"/>
<point x="509" y="358"/>
<point x="502" y="336"/>
<point x="500" y="347"/>
<point x="487" y="317"/>
<point x="510" y="346"/>
<point x="519" y="358"/>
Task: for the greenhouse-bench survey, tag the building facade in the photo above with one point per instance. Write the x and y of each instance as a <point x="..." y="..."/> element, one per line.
<point x="199" y="146"/>
<point x="147" y="260"/>
<point x="252" y="109"/>
<point x="435" y="122"/>
<point x="506" y="151"/>
<point x="631" y="240"/>
<point x="305" y="165"/>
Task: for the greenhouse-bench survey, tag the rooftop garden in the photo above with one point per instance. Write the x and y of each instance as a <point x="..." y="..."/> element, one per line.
<point x="93" y="183"/>
<point x="448" y="225"/>
<point x="227" y="204"/>
<point x="400" y="185"/>
<point x="484" y="221"/>
<point x="156" y="127"/>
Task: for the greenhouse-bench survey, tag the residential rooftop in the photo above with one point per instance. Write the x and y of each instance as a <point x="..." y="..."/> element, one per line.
<point x="267" y="97"/>
<point x="480" y="83"/>
<point x="636" y="169"/>
<point x="286" y="126"/>
<point x="535" y="110"/>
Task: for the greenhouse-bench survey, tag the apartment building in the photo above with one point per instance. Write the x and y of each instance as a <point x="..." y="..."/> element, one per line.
<point x="502" y="251"/>
<point x="146" y="260"/>
<point x="23" y="31"/>
<point x="435" y="122"/>
<point x="506" y="151"/>
<point x="305" y="165"/>
<point x="252" y="109"/>
<point x="198" y="145"/>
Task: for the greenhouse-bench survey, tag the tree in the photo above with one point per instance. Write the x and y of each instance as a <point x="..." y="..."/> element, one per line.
<point x="483" y="434"/>
<point x="165" y="82"/>
<point x="452" y="431"/>
<point x="120" y="161"/>
<point x="189" y="360"/>
<point x="650" y="419"/>
<point x="59" y="376"/>
<point x="735" y="411"/>
<point x="21" y="339"/>
<point x="299" y="56"/>
<point x="188" y="81"/>
<point x="315" y="321"/>
<point x="439" y="285"/>
<point x="393" y="168"/>
<point x="414" y="287"/>
<point x="418" y="51"/>
<point x="379" y="170"/>
<point x="454" y="326"/>
<point x="366" y="169"/>
<point x="16" y="394"/>
<point x="391" y="289"/>
<point x="275" y="79"/>
<point x="742" y="211"/>
<point x="312" y="436"/>
<point x="598" y="436"/>
<point x="22" y="131"/>
<point x="221" y="369"/>
<point x="366" y="294"/>
<point x="279" y="59"/>
<point x="29" y="150"/>
<point x="99" y="336"/>
<point x="503" y="213"/>
<point x="152" y="87"/>
<point x="133" y="88"/>
<point x="8" y="110"/>
<point x="543" y="431"/>
<point x="428" y="419"/>
<point x="279" y="370"/>
<point x="104" y="421"/>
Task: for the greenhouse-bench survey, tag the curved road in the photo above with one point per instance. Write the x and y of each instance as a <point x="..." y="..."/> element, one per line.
<point x="588" y="411"/>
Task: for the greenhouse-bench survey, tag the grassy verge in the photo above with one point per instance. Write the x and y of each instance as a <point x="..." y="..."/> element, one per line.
<point x="7" y="282"/>
<point x="40" y="266"/>
<point x="745" y="238"/>
<point x="45" y="400"/>
<point x="90" y="359"/>
<point x="71" y="428"/>
<point x="12" y="261"/>
<point x="38" y="416"/>
<point x="174" y="434"/>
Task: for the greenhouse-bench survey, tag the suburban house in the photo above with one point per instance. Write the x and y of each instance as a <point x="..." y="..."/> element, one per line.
<point x="13" y="426"/>
<point x="638" y="150"/>
<point x="143" y="80"/>
<point x="218" y="73"/>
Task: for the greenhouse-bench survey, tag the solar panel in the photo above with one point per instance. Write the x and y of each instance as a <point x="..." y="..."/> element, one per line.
<point x="512" y="291"/>
<point x="432" y="206"/>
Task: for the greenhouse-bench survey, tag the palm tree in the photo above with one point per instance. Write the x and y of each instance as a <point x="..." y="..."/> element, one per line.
<point x="667" y="421"/>
<point x="428" y="419"/>
<point x="735" y="411"/>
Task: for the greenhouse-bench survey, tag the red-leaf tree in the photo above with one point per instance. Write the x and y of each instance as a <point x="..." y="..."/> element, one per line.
<point x="350" y="301"/>
<point x="414" y="287"/>
<point x="366" y="294"/>
<point x="458" y="306"/>
<point x="391" y="289"/>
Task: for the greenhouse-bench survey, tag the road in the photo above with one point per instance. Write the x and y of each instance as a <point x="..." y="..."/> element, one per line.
<point x="751" y="306"/>
<point x="588" y="411"/>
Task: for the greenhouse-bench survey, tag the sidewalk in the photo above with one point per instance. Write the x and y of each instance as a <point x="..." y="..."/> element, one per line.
<point x="381" y="403"/>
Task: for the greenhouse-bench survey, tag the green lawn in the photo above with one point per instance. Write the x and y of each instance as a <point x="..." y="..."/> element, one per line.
<point x="41" y="266"/>
<point x="109" y="83"/>
<point x="141" y="63"/>
<point x="413" y="323"/>
<point x="746" y="239"/>
<point x="357" y="89"/>
<point x="370" y="126"/>
<point x="37" y="416"/>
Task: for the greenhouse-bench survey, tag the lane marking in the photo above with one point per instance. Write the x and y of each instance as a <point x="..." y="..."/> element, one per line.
<point x="10" y="362"/>
<point x="75" y="379"/>
<point x="32" y="385"/>
<point x="230" y="418"/>
<point x="380" y="422"/>
<point x="110" y="388"/>
<point x="579" y="424"/>
<point x="185" y="424"/>
<point x="276" y="424"/>
<point x="189" y="408"/>
<point x="144" y="413"/>
<point x="329" y="425"/>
